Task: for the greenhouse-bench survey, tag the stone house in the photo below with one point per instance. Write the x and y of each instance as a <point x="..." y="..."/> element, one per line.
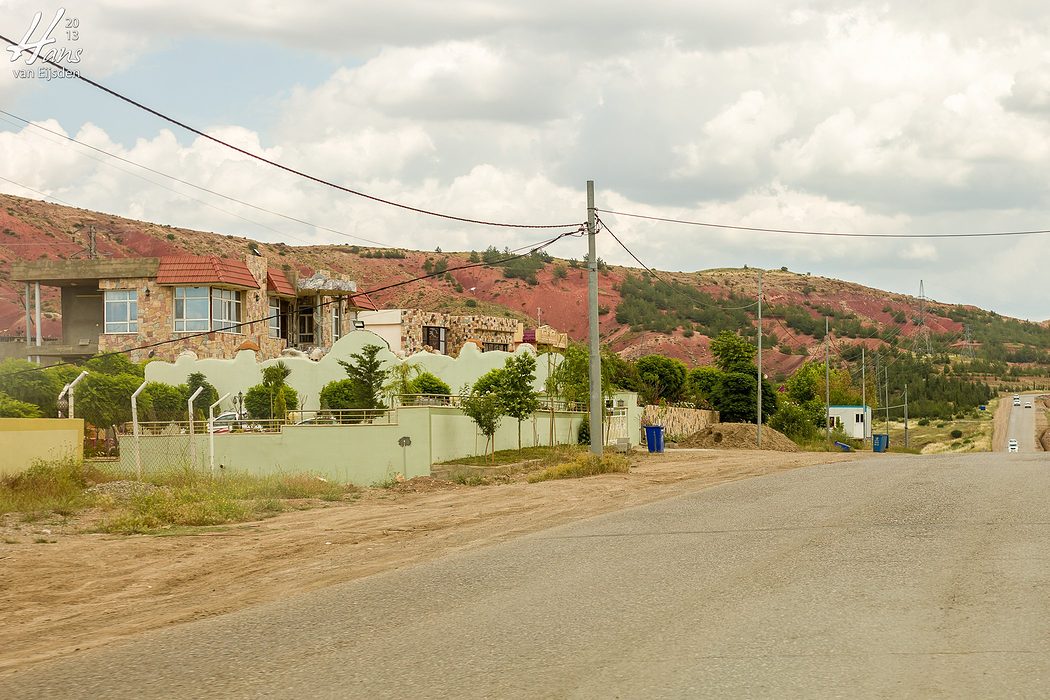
<point x="210" y="305"/>
<point x="408" y="331"/>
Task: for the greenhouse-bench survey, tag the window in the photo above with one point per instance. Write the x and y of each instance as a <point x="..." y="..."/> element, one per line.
<point x="191" y="309"/>
<point x="487" y="347"/>
<point x="434" y="336"/>
<point x="274" y="322"/>
<point x="306" y="326"/>
<point x="226" y="310"/>
<point x="122" y="311"/>
<point x="337" y="322"/>
<point x="859" y="418"/>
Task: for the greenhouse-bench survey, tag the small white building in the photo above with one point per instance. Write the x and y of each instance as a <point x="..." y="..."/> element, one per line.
<point x="855" y="420"/>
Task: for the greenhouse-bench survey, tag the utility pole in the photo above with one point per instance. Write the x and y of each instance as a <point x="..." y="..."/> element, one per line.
<point x="905" y="415"/>
<point x="92" y="251"/>
<point x="759" y="433"/>
<point x="886" y="370"/>
<point x="864" y="394"/>
<point x="827" y="382"/>
<point x="597" y="408"/>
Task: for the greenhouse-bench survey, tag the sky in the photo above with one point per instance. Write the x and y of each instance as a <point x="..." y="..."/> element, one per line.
<point x="892" y="118"/>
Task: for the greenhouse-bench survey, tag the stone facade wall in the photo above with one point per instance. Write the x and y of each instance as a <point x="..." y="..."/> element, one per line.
<point x="157" y="322"/>
<point x="461" y="329"/>
<point x="678" y="422"/>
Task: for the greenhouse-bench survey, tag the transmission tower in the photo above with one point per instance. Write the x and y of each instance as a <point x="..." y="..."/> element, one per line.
<point x="922" y="337"/>
<point x="968" y="334"/>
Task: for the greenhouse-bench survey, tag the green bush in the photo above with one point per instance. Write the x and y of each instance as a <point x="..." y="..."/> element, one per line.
<point x="956" y="434"/>
<point x="427" y="383"/>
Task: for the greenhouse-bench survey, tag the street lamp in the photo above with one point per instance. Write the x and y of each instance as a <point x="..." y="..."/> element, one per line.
<point x="240" y="404"/>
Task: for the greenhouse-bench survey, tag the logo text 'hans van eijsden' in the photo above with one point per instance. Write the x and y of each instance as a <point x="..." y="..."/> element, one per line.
<point x="30" y="48"/>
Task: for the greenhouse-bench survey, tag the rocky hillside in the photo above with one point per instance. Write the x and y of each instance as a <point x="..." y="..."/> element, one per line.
<point x="674" y="316"/>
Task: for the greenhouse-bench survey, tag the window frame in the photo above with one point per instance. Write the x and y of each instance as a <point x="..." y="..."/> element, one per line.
<point x="230" y="302"/>
<point x="442" y="333"/>
<point x="190" y="324"/>
<point x="131" y="304"/>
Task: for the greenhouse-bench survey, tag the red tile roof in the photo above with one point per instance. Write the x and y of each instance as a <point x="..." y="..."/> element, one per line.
<point x="362" y="301"/>
<point x="277" y="282"/>
<point x="189" y="269"/>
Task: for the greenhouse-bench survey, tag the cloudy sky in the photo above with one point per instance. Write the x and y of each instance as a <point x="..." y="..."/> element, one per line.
<point x="876" y="117"/>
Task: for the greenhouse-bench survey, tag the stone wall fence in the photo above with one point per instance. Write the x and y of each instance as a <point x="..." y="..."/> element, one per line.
<point x="678" y="422"/>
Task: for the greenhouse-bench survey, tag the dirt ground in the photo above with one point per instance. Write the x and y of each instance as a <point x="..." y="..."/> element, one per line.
<point x="63" y="592"/>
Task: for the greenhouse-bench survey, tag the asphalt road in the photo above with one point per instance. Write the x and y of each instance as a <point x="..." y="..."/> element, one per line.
<point x="921" y="576"/>
<point x="1022" y="422"/>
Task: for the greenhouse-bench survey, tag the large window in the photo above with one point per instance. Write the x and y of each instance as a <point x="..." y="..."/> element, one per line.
<point x="489" y="347"/>
<point x="226" y="310"/>
<point x="191" y="309"/>
<point x="122" y="311"/>
<point x="434" y="336"/>
<point x="306" y="326"/>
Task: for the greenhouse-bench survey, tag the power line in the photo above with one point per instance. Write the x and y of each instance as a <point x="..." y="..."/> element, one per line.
<point x="652" y="272"/>
<point x="150" y="346"/>
<point x="190" y="184"/>
<point x="281" y="166"/>
<point x="839" y="234"/>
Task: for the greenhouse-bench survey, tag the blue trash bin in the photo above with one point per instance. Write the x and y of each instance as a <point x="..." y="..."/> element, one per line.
<point x="880" y="442"/>
<point x="654" y="438"/>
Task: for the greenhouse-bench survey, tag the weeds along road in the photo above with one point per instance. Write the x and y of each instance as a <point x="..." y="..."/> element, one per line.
<point x="904" y="575"/>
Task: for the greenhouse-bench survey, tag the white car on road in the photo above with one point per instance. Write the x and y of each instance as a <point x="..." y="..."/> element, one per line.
<point x="1011" y="445"/>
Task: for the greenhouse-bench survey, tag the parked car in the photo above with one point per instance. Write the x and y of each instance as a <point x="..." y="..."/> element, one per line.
<point x="319" y="420"/>
<point x="1011" y="446"/>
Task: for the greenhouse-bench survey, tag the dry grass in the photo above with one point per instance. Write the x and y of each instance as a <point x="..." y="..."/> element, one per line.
<point x="583" y="465"/>
<point x="165" y="499"/>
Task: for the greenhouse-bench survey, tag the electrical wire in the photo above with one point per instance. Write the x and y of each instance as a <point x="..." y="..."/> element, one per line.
<point x="281" y="166"/>
<point x="189" y="184"/>
<point x="836" y="234"/>
<point x="652" y="272"/>
<point x="241" y="324"/>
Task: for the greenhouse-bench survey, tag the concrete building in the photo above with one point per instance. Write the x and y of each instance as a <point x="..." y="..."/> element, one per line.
<point x="212" y="306"/>
<point x="408" y="331"/>
<point x="855" y="420"/>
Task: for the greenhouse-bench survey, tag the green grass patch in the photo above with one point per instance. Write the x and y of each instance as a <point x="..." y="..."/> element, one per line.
<point x="547" y="455"/>
<point x="466" y="477"/>
<point x="583" y="465"/>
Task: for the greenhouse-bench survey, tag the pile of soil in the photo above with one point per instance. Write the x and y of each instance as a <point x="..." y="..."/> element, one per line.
<point x="739" y="436"/>
<point x="423" y="484"/>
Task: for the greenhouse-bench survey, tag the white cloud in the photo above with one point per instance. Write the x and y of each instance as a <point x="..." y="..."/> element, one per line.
<point x="824" y="114"/>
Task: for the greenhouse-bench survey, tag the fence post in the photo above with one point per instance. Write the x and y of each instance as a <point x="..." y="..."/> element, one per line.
<point x="189" y="412"/>
<point x="211" y="431"/>
<point x="135" y="429"/>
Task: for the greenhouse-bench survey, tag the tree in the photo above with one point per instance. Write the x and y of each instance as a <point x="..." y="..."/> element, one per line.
<point x="794" y="421"/>
<point x="206" y="398"/>
<point x="483" y="405"/>
<point x="733" y="353"/>
<point x="735" y="397"/>
<point x="13" y="408"/>
<point x="27" y="383"/>
<point x="166" y="402"/>
<point x="105" y="400"/>
<point x="114" y="364"/>
<point x="520" y="399"/>
<point x="663" y="378"/>
<point x="701" y="385"/>
<point x="427" y="383"/>
<point x="367" y="375"/>
<point x="401" y="376"/>
<point x="271" y="398"/>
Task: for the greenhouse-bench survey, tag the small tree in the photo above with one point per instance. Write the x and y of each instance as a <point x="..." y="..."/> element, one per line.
<point x="166" y="402"/>
<point x="367" y="375"/>
<point x="105" y="400"/>
<point x="427" y="383"/>
<point x="485" y="409"/>
<point x="206" y="398"/>
<point x="26" y="382"/>
<point x="13" y="408"/>
<point x="520" y="399"/>
<point x="271" y="398"/>
<point x="400" y="383"/>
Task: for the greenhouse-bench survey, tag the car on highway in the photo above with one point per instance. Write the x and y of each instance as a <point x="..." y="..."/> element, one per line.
<point x="1027" y="404"/>
<point x="1017" y="402"/>
<point x="1011" y="446"/>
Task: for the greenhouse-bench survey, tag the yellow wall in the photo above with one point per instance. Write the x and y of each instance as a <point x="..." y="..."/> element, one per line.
<point x="25" y="440"/>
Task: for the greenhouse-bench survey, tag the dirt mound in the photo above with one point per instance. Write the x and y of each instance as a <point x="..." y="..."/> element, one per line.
<point x="739" y="436"/>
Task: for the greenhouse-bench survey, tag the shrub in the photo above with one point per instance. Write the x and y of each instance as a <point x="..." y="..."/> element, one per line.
<point x="956" y="434"/>
<point x="584" y="465"/>
<point x="924" y="422"/>
<point x="427" y="383"/>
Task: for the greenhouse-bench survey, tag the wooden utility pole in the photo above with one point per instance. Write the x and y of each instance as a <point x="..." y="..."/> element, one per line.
<point x="827" y="381"/>
<point x="597" y="408"/>
<point x="759" y="431"/>
<point x="864" y="395"/>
